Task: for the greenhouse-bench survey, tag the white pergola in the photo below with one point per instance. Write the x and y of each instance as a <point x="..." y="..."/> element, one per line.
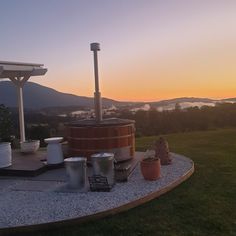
<point x="19" y="73"/>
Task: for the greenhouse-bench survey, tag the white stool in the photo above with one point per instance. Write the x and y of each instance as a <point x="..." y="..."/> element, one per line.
<point x="54" y="150"/>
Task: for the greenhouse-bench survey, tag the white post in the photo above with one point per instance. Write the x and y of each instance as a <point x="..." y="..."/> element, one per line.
<point x="21" y="113"/>
<point x="19" y="86"/>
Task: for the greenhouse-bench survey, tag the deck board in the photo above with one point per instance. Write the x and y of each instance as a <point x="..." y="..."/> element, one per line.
<point x="25" y="164"/>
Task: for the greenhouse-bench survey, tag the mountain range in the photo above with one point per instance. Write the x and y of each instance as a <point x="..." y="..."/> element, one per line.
<point x="37" y="97"/>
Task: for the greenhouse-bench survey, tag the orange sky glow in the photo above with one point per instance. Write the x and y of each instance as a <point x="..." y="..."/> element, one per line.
<point x="150" y="50"/>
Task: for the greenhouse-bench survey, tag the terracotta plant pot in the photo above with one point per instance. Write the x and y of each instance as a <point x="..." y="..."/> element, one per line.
<point x="151" y="168"/>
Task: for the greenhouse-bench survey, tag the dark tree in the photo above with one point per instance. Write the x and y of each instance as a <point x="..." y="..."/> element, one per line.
<point x="5" y="124"/>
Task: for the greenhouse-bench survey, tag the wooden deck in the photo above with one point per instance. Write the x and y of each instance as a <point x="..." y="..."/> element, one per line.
<point x="30" y="165"/>
<point x="27" y="165"/>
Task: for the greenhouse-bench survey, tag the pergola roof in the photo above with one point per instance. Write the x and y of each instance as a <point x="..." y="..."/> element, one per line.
<point x="19" y="69"/>
<point x="19" y="73"/>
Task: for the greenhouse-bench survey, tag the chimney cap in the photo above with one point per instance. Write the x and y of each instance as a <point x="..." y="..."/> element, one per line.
<point x="95" y="47"/>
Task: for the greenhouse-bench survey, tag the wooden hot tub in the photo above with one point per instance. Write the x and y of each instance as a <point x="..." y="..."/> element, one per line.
<point x="86" y="137"/>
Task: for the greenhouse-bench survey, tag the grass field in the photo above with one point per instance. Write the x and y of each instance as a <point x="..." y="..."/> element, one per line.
<point x="203" y="205"/>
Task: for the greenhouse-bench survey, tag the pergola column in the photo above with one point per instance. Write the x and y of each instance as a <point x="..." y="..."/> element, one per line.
<point x="19" y="73"/>
<point x="19" y="83"/>
<point x="21" y="113"/>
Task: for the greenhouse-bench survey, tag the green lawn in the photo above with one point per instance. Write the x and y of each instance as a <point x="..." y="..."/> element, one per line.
<point x="203" y="205"/>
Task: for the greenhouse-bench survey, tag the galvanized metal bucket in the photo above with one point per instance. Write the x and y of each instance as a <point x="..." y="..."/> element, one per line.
<point x="103" y="164"/>
<point x="76" y="170"/>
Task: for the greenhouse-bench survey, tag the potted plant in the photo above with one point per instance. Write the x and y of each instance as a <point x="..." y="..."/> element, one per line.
<point x="29" y="146"/>
<point x="151" y="166"/>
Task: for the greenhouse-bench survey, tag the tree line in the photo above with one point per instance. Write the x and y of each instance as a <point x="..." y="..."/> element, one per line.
<point x="154" y="122"/>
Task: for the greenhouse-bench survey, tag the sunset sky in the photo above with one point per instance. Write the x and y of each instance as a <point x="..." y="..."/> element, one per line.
<point x="150" y="49"/>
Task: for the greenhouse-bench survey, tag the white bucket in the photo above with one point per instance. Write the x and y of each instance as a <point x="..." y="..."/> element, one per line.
<point x="5" y="155"/>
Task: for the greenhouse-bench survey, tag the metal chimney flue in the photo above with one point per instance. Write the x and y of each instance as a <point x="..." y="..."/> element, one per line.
<point x="97" y="95"/>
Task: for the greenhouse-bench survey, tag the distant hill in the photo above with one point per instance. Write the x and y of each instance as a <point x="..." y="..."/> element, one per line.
<point x="181" y="100"/>
<point x="229" y="100"/>
<point x="37" y="96"/>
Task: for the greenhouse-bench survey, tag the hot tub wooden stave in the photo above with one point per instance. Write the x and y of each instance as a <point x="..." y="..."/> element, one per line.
<point x="85" y="140"/>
